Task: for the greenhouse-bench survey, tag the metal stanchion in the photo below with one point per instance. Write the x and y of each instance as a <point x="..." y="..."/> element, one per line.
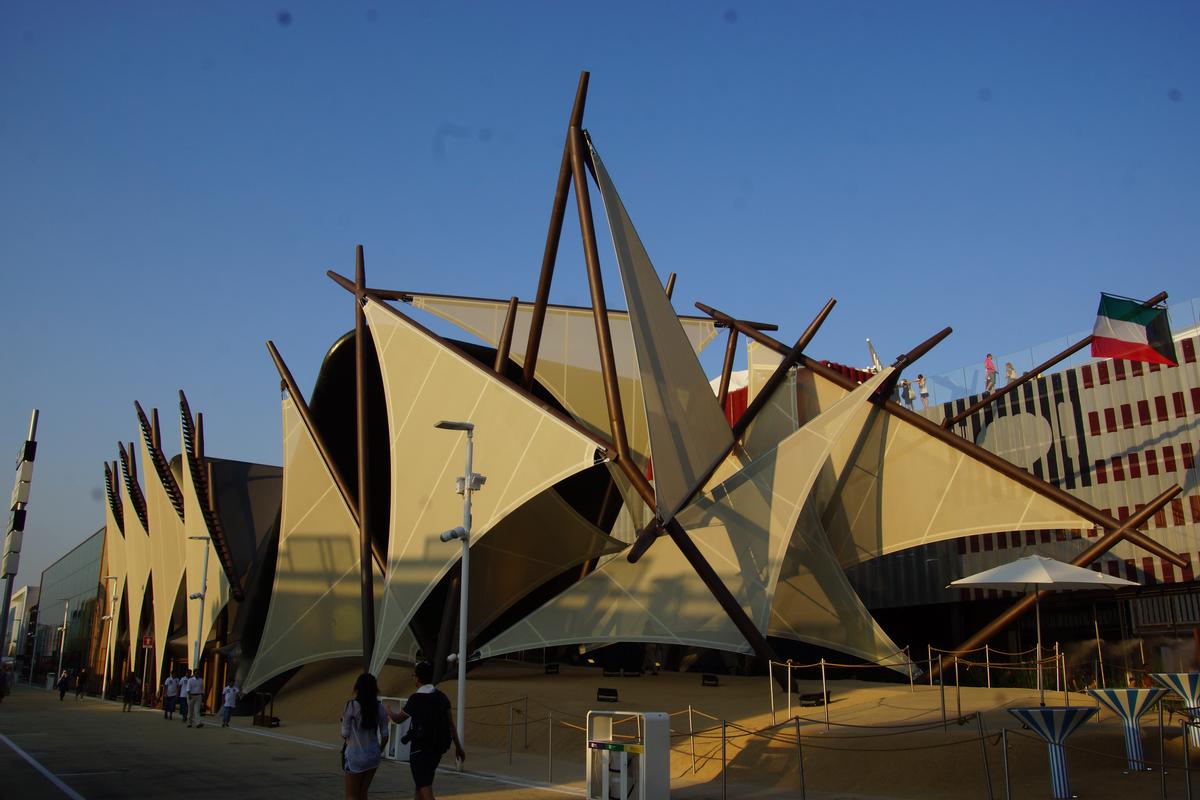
<point x="788" y="690"/>
<point x="912" y="685"/>
<point x="1004" y="752"/>
<point x="1162" y="753"/>
<point x="1187" y="760"/>
<point x="1057" y="655"/>
<point x="525" y="721"/>
<point x="800" y="758"/>
<point x="692" y="737"/>
<point x="724" y="781"/>
<point x="987" y="768"/>
<point x="957" y="689"/>
<point x="771" y="686"/>
<point x="550" y="747"/>
<point x="510" y="720"/>
<point x="942" y="686"/>
<point x="929" y="661"/>
<point x="824" y="694"/>
<point x="1063" y="665"/>
<point x="987" y="658"/>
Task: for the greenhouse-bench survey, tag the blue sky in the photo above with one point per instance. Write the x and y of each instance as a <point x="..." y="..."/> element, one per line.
<point x="175" y="178"/>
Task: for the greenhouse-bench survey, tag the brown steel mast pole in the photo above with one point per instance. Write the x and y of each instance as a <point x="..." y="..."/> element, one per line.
<point x="1084" y="559"/>
<point x="669" y="288"/>
<point x="987" y="400"/>
<point x="727" y="368"/>
<point x="360" y="413"/>
<point x="552" y="236"/>
<point x="506" y="334"/>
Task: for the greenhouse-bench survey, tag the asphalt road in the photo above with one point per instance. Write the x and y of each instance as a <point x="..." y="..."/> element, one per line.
<point x="91" y="750"/>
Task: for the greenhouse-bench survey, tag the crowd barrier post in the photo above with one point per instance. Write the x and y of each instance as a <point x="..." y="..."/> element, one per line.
<point x="525" y="721"/>
<point x="929" y="661"/>
<point x="1004" y="752"/>
<point x="771" y="686"/>
<point x="724" y="777"/>
<point x="800" y="758"/>
<point x="788" y="690"/>
<point x="824" y="694"/>
<point x="510" y="721"/>
<point x="550" y="747"/>
<point x="987" y="658"/>
<point x="692" y="736"/>
<point x="1057" y="657"/>
<point x="957" y="689"/>
<point x="987" y="768"/>
<point x="912" y="680"/>
<point x="1187" y="759"/>
<point x="1063" y="666"/>
<point x="1162" y="754"/>
<point x="942" y="686"/>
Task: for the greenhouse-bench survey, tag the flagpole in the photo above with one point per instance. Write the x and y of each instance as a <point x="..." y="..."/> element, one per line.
<point x="988" y="399"/>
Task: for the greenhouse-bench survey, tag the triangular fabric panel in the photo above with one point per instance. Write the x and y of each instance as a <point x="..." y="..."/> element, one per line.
<point x="537" y="542"/>
<point x="167" y="553"/>
<point x="568" y="362"/>
<point x="688" y="429"/>
<point x="898" y="487"/>
<point x="316" y="602"/>
<point x="137" y="571"/>
<point x="216" y="588"/>
<point x="742" y="527"/>
<point x="520" y="446"/>
<point x="114" y="558"/>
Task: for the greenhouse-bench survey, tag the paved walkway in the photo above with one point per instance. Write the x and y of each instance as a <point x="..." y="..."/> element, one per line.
<point x="90" y="750"/>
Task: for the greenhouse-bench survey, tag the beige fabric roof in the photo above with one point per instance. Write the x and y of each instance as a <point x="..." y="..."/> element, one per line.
<point x="898" y="487"/>
<point x="688" y="429"/>
<point x="137" y="571"/>
<point x="114" y="557"/>
<point x="568" y="359"/>
<point x="217" y="587"/>
<point x="315" y="611"/>
<point x="537" y="542"/>
<point x="744" y="528"/>
<point x="521" y="447"/>
<point x="166" y="554"/>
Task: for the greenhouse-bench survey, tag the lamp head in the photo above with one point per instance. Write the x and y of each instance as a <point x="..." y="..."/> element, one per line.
<point x="450" y="425"/>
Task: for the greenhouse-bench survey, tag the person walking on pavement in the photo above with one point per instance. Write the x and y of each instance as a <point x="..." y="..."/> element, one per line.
<point x="63" y="681"/>
<point x="229" y="695"/>
<point x="181" y="701"/>
<point x="127" y="691"/>
<point x="170" y="693"/>
<point x="81" y="683"/>
<point x="364" y="732"/>
<point x="195" y="694"/>
<point x="432" y="730"/>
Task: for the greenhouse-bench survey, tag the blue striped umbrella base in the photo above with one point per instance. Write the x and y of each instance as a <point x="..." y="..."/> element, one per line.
<point x="1130" y="705"/>
<point x="1055" y="725"/>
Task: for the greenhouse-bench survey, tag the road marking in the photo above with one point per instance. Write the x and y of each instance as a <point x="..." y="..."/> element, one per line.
<point x="94" y="772"/>
<point x="47" y="774"/>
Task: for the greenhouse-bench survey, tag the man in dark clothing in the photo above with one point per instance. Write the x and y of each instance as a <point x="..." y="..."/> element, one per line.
<point x="431" y="732"/>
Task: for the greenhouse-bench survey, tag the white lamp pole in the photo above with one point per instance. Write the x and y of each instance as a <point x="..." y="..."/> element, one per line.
<point x="62" y="645"/>
<point x="200" y="596"/>
<point x="467" y="484"/>
<point x="112" y="623"/>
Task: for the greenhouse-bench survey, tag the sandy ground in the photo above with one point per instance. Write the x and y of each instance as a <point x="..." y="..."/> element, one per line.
<point x="99" y="752"/>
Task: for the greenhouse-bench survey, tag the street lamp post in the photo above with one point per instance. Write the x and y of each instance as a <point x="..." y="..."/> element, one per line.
<point x="62" y="645"/>
<point x="470" y="482"/>
<point x="200" y="596"/>
<point x="112" y="623"/>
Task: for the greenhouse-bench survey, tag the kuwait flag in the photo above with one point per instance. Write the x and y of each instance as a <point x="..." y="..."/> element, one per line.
<point x="1126" y="329"/>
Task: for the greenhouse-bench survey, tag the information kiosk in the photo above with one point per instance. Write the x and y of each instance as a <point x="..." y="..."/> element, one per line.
<point x="633" y="764"/>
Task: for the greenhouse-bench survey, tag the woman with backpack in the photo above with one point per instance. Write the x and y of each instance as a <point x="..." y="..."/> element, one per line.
<point x="364" y="733"/>
<point x="432" y="730"/>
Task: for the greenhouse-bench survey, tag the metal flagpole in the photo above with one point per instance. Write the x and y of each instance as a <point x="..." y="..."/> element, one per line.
<point x="62" y="645"/>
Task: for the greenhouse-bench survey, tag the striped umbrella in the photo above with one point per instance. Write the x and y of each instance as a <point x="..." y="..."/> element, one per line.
<point x="1055" y="725"/>
<point x="1130" y="705"/>
<point x="1187" y="686"/>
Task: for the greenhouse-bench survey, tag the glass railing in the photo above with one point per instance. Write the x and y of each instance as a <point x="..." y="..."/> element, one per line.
<point x="971" y="379"/>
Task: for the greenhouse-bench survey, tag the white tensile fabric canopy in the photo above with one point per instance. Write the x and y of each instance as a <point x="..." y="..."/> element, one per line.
<point x="688" y="429"/>
<point x="316" y="601"/>
<point x="137" y="568"/>
<point x="167" y="554"/>
<point x="568" y="363"/>
<point x="522" y="447"/>
<point x="216" y="588"/>
<point x="745" y="529"/>
<point x="114" y="558"/>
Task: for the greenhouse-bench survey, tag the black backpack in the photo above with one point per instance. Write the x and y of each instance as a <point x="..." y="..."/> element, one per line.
<point x="430" y="726"/>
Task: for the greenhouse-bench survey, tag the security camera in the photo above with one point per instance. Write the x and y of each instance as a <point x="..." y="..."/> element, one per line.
<point x="453" y="533"/>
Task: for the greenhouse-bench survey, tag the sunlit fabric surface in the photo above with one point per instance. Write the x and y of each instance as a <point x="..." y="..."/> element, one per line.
<point x="137" y="566"/>
<point x="114" y="559"/>
<point x="166" y="554"/>
<point x="216" y="595"/>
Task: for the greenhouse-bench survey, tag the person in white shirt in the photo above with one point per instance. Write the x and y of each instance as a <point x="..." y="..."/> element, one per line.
<point x="182" y="699"/>
<point x="230" y="694"/>
<point x="195" y="693"/>
<point x="170" y="693"/>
